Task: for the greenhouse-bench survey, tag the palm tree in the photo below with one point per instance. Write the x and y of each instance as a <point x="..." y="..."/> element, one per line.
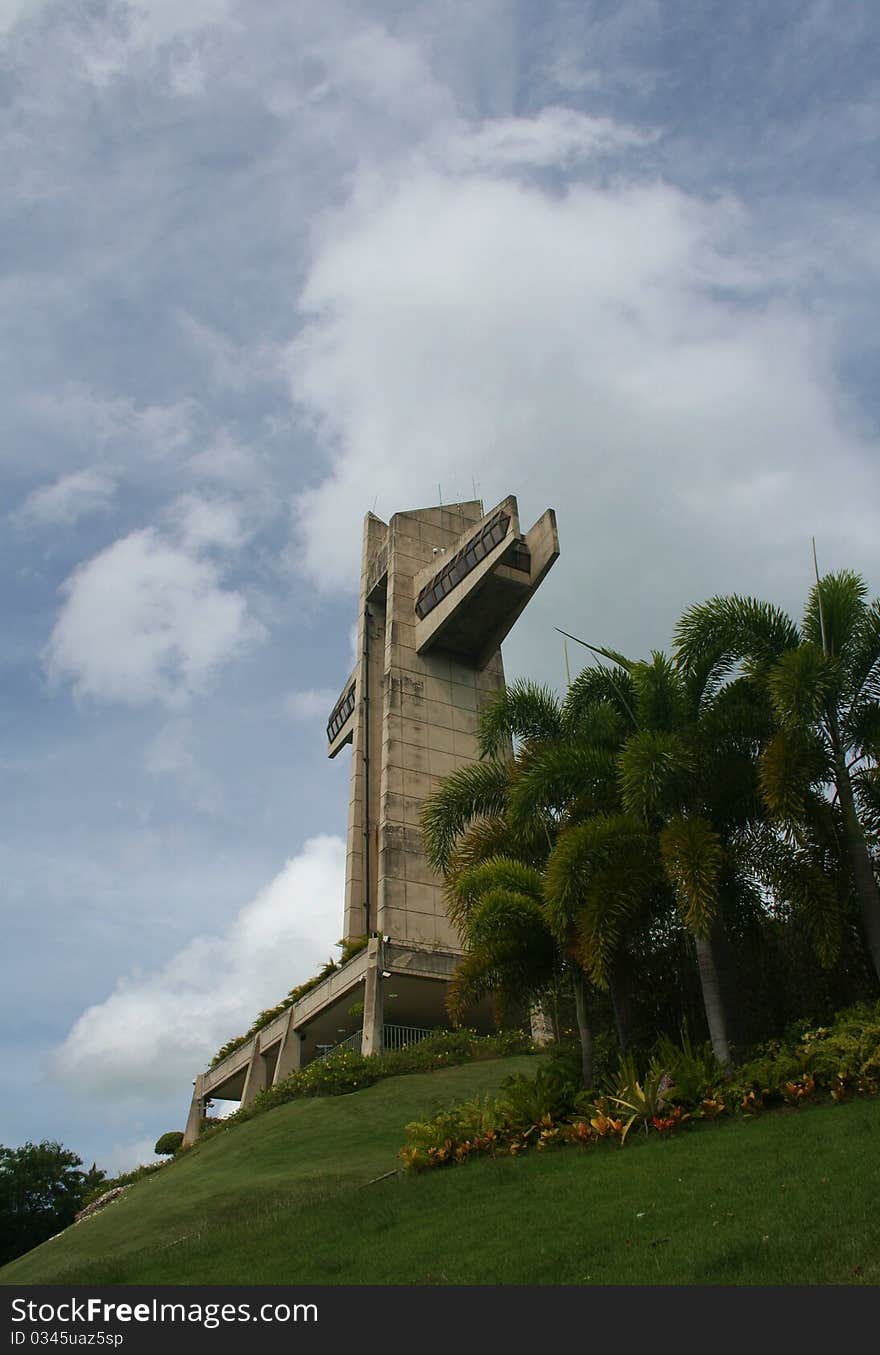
<point x="687" y="790"/>
<point x="492" y="818"/>
<point x="570" y="782"/>
<point x="819" y="769"/>
<point x="510" y="951"/>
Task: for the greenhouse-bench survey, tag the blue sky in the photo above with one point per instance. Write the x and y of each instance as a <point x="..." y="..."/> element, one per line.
<point x="267" y="267"/>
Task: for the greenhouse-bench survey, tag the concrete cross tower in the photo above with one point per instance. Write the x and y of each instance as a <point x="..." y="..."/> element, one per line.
<point x="440" y="589"/>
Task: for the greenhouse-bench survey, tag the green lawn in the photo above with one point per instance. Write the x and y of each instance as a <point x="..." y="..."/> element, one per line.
<point x="784" y="1199"/>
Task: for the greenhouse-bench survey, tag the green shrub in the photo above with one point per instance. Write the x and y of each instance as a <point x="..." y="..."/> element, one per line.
<point x="345" y="1071"/>
<point x="448" y="1048"/>
<point x="168" y="1144"/>
<point x="841" y="1059"/>
<point x="525" y="1102"/>
<point x="454" y="1134"/>
<point x="680" y="1083"/>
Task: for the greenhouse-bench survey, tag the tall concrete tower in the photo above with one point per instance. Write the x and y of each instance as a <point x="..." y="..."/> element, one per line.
<point x="440" y="589"/>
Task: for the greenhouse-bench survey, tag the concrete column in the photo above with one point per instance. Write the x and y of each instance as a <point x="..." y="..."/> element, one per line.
<point x="373" y="1015"/>
<point x="290" y="1053"/>
<point x="542" y="1026"/>
<point x="196" y="1117"/>
<point x="255" y="1078"/>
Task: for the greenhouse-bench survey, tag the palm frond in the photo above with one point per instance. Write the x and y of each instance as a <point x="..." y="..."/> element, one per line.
<point x="583" y="852"/>
<point x="594" y="691"/>
<point x="551" y="775"/>
<point x="836" y="606"/>
<point x="801" y="882"/>
<point x="866" y="785"/>
<point x="739" y="715"/>
<point x="801" y="683"/>
<point x="475" y="975"/>
<point x="860" y="728"/>
<point x="693" y="858"/>
<point x="511" y="950"/>
<point x="793" y="761"/>
<point x="523" y="712"/>
<point x="476" y="791"/>
<point x="482" y="839"/>
<point x="470" y="874"/>
<point x="653" y="767"/>
<point x="499" y="872"/>
<point x="661" y="695"/>
<point x="712" y="638"/>
<point x="620" y="892"/>
<point x="864" y="658"/>
<point x="513" y="925"/>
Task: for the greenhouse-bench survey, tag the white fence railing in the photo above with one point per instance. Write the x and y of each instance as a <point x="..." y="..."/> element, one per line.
<point x="393" y="1037"/>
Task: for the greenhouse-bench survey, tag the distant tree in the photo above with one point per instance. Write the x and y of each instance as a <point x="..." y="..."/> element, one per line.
<point x="169" y="1143"/>
<point x="41" y="1190"/>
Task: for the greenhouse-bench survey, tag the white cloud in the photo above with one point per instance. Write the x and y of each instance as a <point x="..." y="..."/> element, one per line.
<point x="614" y="350"/>
<point x="556" y="137"/>
<point x="159" y="21"/>
<point x="116" y="422"/>
<point x="73" y="496"/>
<point x="142" y="29"/>
<point x="146" y="621"/>
<point x="202" y="522"/>
<point x="12" y="12"/>
<point x="154" y="1033"/>
<point x="313" y="704"/>
<point x="226" y="462"/>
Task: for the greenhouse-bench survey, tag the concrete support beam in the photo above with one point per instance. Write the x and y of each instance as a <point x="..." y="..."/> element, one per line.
<point x="373" y="1013"/>
<point x="290" y="1053"/>
<point x="196" y="1118"/>
<point x="255" y="1080"/>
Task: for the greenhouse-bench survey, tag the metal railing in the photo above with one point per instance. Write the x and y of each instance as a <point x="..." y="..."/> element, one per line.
<point x="353" y="1043"/>
<point x="393" y="1037"/>
<point x="398" y="1037"/>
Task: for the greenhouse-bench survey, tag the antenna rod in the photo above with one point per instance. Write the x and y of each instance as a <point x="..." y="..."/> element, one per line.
<point x="615" y="658"/>
<point x="819" y="600"/>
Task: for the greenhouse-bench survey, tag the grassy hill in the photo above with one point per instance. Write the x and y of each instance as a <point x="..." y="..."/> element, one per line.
<point x="786" y="1198"/>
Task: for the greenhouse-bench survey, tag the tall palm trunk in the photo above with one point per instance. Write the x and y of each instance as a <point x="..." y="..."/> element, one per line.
<point x="584" y="1031"/>
<point x="713" y="1000"/>
<point x="860" y="861"/>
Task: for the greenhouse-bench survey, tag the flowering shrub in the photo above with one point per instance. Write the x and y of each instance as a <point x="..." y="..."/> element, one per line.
<point x="335" y="1075"/>
<point x="681" y="1085"/>
<point x="842" y="1060"/>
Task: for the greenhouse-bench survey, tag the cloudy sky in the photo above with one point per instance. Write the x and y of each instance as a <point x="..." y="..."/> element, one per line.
<point x="267" y="266"/>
